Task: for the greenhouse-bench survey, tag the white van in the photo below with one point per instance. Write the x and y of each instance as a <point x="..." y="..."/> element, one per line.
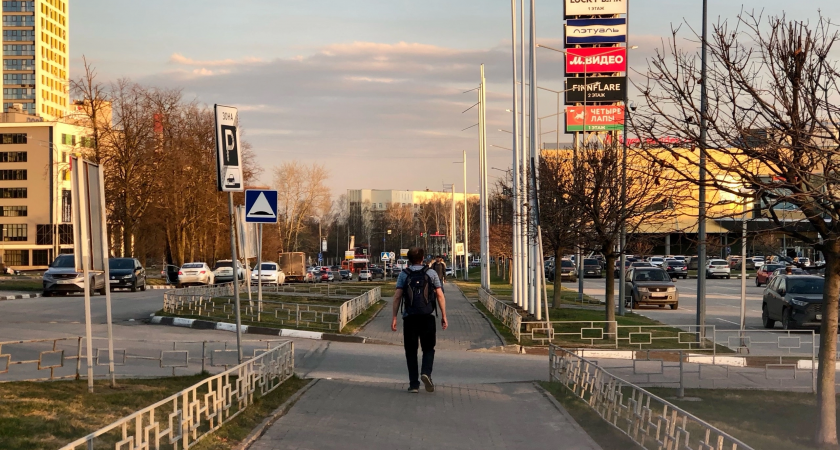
<point x="400" y="264"/>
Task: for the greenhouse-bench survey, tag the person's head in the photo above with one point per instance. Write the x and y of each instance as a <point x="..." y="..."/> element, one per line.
<point x="416" y="255"/>
<point x="788" y="270"/>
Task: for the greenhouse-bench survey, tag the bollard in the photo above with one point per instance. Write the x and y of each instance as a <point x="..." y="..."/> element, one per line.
<point x="203" y="356"/>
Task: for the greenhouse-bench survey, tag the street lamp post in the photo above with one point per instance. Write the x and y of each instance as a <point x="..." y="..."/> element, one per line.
<point x="701" y="194"/>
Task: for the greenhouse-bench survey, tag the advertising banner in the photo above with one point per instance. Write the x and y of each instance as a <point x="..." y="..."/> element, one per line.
<point x="595" y="7"/>
<point x="596" y="31"/>
<point x="595" y="89"/>
<point x="349" y="254"/>
<point x="594" y="118"/>
<point x="596" y="60"/>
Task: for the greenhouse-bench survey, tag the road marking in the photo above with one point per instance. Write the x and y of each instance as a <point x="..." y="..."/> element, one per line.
<point x="728" y="321"/>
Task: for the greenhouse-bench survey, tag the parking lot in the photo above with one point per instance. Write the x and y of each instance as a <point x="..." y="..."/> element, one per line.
<point x="723" y="302"/>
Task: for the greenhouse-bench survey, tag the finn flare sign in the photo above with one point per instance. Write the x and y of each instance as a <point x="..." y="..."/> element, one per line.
<point x="228" y="156"/>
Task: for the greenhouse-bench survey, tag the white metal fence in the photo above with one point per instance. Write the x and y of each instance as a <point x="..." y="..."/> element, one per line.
<point x="502" y="311"/>
<point x="181" y="420"/>
<point x="648" y="420"/>
<point x="216" y="302"/>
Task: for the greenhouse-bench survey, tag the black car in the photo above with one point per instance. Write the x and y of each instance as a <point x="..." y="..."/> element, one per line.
<point x="126" y="273"/>
<point x="676" y="268"/>
<point x="795" y="300"/>
<point x="377" y="272"/>
<point x="591" y="268"/>
<point x="345" y="274"/>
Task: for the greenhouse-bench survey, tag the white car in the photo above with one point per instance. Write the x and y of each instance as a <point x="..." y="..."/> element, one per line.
<point x="365" y="274"/>
<point x="196" y="273"/>
<point x="223" y="271"/>
<point x="450" y="272"/>
<point x="758" y="261"/>
<point x="656" y="261"/>
<point x="803" y="261"/>
<point x="717" y="268"/>
<point x="271" y="274"/>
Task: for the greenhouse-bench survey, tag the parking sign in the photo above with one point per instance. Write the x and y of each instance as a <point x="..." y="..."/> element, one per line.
<point x="228" y="158"/>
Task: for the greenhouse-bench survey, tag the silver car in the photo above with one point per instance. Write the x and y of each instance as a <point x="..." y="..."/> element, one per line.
<point x="717" y="268"/>
<point x="365" y="274"/>
<point x="195" y="273"/>
<point x="62" y="277"/>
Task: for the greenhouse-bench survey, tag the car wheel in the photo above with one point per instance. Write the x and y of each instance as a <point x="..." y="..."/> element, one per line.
<point x="46" y="294"/>
<point x="675" y="305"/>
<point x="92" y="287"/>
<point x="757" y="283"/>
<point x="661" y="306"/>
<point x="787" y="321"/>
<point x="134" y="286"/>
<point x="634" y="303"/>
<point x="143" y="287"/>
<point x="765" y="318"/>
<point x="728" y="277"/>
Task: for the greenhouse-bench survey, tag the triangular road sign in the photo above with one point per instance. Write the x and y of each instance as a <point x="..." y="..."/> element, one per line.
<point x="262" y="209"/>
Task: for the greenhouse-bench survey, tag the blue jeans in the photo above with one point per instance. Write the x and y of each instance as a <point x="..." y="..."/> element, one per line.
<point x="419" y="328"/>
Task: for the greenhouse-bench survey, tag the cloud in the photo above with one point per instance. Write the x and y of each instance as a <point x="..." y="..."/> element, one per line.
<point x="177" y="58"/>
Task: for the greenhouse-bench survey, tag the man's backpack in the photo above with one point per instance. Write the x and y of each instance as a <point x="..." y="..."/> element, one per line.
<point x="419" y="297"/>
<point x="440" y="269"/>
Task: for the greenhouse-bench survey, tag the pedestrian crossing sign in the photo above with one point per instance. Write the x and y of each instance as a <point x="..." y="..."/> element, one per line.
<point x="260" y="206"/>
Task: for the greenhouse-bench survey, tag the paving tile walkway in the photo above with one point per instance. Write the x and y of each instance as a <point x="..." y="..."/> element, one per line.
<point x="336" y="414"/>
<point x="467" y="330"/>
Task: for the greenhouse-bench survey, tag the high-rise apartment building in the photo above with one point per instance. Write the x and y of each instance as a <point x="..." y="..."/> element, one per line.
<point x="36" y="57"/>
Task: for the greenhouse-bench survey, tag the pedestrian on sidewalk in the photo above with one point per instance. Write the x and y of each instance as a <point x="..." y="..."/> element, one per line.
<point x="419" y="295"/>
<point x="440" y="268"/>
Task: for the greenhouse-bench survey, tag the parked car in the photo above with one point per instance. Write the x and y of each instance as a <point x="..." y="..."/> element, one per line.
<point x="450" y="272"/>
<point x="223" y="271"/>
<point x="803" y="261"/>
<point x="61" y="277"/>
<point x="676" y="268"/>
<point x="763" y="274"/>
<point x="365" y="275"/>
<point x="195" y="273"/>
<point x="656" y="261"/>
<point x="326" y="275"/>
<point x="271" y="274"/>
<point x="783" y="271"/>
<point x="345" y="274"/>
<point x="617" y="270"/>
<point x="795" y="300"/>
<point x="650" y="286"/>
<point x="377" y="272"/>
<point x="591" y="268"/>
<point x="568" y="271"/>
<point x="758" y="261"/>
<point x="717" y="268"/>
<point x="126" y="273"/>
<point x="631" y="264"/>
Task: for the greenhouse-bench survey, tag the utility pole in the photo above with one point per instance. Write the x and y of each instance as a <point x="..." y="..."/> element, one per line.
<point x="535" y="251"/>
<point x="701" y="207"/>
<point x="515" y="165"/>
<point x="483" y="210"/>
<point x="466" y="223"/>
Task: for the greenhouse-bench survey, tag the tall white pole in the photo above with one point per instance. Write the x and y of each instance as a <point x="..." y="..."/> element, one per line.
<point x="259" y="267"/>
<point x="106" y="268"/>
<point x="515" y="164"/>
<point x="466" y="222"/>
<point x="536" y="291"/>
<point x="743" y="320"/>
<point x="235" y="280"/>
<point x="453" y="230"/>
<point x="521" y="213"/>
<point x="485" y="215"/>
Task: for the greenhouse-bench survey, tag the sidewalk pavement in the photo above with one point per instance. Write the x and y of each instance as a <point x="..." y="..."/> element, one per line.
<point x="468" y="329"/>
<point x="337" y="414"/>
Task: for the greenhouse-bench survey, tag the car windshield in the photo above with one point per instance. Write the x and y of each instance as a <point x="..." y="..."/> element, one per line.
<point x="566" y="263"/>
<point x="221" y="264"/>
<point x="121" y="263"/>
<point x="192" y="266"/>
<point x="641" y="264"/>
<point x="364" y="271"/>
<point x="591" y="262"/>
<point x="651" y="275"/>
<point x="805" y="285"/>
<point x="771" y="267"/>
<point x="717" y="262"/>
<point x="64" y="262"/>
<point x="266" y="266"/>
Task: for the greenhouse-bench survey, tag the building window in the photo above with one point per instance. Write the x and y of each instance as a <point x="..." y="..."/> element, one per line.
<point x="19" y="78"/>
<point x="28" y="108"/>
<point x="11" y="157"/>
<point x="18" y="64"/>
<point x="40" y="257"/>
<point x="66" y="203"/>
<point x="43" y="235"/>
<point x="18" y="35"/>
<point x="12" y="192"/>
<point x="13" y="211"/>
<point x="16" y="257"/>
<point x="68" y="139"/>
<point x="6" y="175"/>
<point x="14" y="232"/>
<point x="17" y="49"/>
<point x="18" y="94"/>
<point x="12" y="138"/>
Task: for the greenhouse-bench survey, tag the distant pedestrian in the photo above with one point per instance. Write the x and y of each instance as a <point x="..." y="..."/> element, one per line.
<point x="440" y="268"/>
<point x="419" y="295"/>
<point x="788" y="270"/>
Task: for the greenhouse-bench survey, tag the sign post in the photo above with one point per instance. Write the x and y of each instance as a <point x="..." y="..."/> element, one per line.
<point x="229" y="179"/>
<point x="260" y="208"/>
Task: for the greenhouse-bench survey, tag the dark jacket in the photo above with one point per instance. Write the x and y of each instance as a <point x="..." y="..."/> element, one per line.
<point x="440" y="269"/>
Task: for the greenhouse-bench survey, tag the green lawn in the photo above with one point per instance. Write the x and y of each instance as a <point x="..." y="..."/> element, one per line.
<point x="47" y="415"/>
<point x="20" y="284"/>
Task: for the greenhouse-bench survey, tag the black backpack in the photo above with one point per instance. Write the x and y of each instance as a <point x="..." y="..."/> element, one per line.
<point x="419" y="297"/>
<point x="440" y="269"/>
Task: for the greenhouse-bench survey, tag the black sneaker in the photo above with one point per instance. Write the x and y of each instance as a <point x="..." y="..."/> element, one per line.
<point x="427" y="381"/>
<point x="413" y="390"/>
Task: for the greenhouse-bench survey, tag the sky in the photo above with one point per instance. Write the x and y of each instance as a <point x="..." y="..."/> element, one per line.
<point x="372" y="89"/>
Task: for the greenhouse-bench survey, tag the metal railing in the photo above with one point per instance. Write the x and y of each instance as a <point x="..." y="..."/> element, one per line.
<point x="648" y="420"/>
<point x="502" y="311"/>
<point x="181" y="420"/>
<point x="217" y="302"/>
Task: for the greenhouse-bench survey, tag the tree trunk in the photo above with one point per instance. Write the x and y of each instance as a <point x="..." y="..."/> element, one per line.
<point x="826" y="400"/>
<point x="609" y="303"/>
<point x="558" y="286"/>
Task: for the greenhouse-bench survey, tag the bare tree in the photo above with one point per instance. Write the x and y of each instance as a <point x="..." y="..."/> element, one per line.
<point x="305" y="195"/>
<point x="559" y="215"/>
<point x="772" y="135"/>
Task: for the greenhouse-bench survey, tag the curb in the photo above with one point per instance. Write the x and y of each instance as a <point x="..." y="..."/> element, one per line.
<point x="281" y="411"/>
<point x="252" y="329"/>
<point x="158" y="286"/>
<point x="19" y="296"/>
<point x="562" y="410"/>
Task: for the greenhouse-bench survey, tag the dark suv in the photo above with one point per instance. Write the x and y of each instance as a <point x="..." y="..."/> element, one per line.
<point x="126" y="273"/>
<point x="591" y="268"/>
<point x="795" y="300"/>
<point x="650" y="285"/>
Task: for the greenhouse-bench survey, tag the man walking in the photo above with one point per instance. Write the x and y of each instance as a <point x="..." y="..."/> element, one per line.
<point x="440" y="268"/>
<point x="420" y="294"/>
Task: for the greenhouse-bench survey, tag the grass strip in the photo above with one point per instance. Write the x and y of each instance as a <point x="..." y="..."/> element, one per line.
<point x="605" y="435"/>
<point x="504" y="331"/>
<point x="21" y="285"/>
<point x="356" y="324"/>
